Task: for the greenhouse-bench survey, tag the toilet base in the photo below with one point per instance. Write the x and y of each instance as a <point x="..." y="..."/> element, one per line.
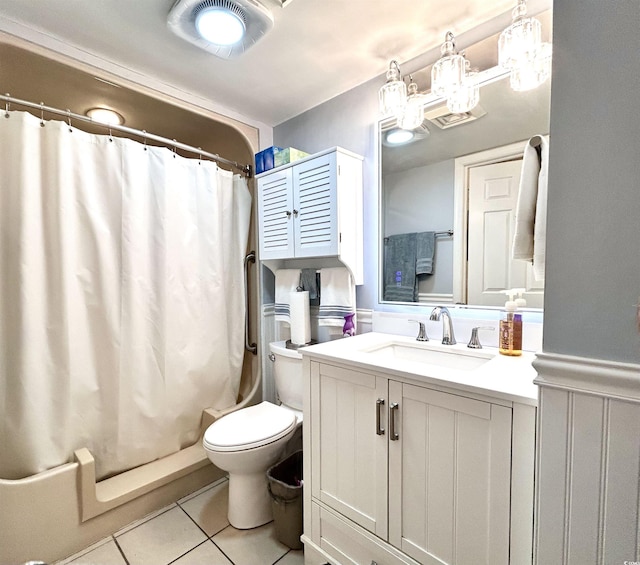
<point x="249" y="501"/>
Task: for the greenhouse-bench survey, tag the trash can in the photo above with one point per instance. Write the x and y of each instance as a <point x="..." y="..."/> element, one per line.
<point x="285" y="488"/>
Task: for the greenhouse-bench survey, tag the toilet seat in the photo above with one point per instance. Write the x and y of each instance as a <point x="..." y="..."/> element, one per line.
<point x="249" y="428"/>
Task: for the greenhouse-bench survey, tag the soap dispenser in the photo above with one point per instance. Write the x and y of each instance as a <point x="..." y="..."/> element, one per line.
<point x="511" y="327"/>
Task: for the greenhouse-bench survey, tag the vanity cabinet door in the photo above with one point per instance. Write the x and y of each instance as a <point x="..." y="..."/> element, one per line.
<point x="349" y="457"/>
<point x="275" y="215"/>
<point x="449" y="477"/>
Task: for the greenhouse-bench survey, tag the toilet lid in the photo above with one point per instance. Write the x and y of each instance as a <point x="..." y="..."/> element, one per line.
<point x="249" y="427"/>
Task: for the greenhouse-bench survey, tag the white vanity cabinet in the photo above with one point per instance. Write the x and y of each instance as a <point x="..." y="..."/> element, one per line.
<point x="313" y="208"/>
<point x="407" y="472"/>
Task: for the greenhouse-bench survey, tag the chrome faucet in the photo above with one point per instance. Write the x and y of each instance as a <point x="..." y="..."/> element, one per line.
<point x="448" y="338"/>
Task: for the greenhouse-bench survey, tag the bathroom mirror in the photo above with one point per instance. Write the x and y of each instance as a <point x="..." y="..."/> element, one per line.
<point x="424" y="187"/>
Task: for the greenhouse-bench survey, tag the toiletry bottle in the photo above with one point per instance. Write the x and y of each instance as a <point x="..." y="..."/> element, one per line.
<point x="349" y="328"/>
<point x="510" y="328"/>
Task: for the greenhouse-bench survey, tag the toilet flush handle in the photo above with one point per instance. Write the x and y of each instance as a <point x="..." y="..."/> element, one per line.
<point x="272" y="357"/>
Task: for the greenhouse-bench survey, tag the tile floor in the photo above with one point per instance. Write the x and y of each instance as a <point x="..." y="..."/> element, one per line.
<point x="193" y="531"/>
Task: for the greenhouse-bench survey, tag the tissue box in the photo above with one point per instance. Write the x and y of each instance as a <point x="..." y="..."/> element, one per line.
<point x="289" y="155"/>
<point x="265" y="159"/>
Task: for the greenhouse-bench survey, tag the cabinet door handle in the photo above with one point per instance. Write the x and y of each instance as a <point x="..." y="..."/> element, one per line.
<point x="393" y="409"/>
<point x="295" y="213"/>
<point x="288" y="214"/>
<point x="379" y="405"/>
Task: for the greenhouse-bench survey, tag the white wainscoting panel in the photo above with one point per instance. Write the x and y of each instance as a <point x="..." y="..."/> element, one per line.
<point x="588" y="474"/>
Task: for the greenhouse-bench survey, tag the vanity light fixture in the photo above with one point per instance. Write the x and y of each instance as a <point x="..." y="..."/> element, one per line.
<point x="105" y="116"/>
<point x="522" y="51"/>
<point x="448" y="71"/>
<point x="393" y="94"/>
<point x="404" y="103"/>
<point x="452" y="78"/>
<point x="413" y="113"/>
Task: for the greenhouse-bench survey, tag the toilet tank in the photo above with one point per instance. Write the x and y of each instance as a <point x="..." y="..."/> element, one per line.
<point x="287" y="372"/>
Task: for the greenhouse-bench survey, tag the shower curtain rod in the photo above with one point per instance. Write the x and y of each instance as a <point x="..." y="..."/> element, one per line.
<point x="246" y="170"/>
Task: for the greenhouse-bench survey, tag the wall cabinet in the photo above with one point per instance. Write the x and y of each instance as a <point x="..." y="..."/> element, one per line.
<point x="406" y="473"/>
<point x="312" y="208"/>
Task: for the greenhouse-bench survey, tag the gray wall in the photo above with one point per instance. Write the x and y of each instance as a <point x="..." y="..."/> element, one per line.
<point x="347" y="121"/>
<point x="593" y="231"/>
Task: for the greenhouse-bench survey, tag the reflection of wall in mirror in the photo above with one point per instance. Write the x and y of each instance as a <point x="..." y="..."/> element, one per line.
<point x="421" y="199"/>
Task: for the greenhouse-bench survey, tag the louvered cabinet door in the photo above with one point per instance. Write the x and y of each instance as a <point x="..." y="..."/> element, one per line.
<point x="315" y="215"/>
<point x="275" y="215"/>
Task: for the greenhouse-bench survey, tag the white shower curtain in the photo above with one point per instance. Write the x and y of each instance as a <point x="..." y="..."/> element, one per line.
<point x="121" y="296"/>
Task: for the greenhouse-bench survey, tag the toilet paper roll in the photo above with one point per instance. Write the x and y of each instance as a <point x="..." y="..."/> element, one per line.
<point x="300" y="318"/>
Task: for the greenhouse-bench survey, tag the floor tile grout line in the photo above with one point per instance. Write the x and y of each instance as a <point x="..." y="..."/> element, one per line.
<point x="189" y="551"/>
<point x="196" y="523"/>
<point x="120" y="550"/>
<point x="209" y="537"/>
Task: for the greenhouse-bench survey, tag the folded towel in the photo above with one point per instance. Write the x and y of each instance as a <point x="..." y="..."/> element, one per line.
<point x="425" y="248"/>
<point x="529" y="239"/>
<point x="287" y="281"/>
<point x="400" y="293"/>
<point x="400" y="267"/>
<point x="337" y="296"/>
<point x="309" y="282"/>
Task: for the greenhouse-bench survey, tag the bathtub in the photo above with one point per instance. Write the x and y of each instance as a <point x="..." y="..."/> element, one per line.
<point x="60" y="511"/>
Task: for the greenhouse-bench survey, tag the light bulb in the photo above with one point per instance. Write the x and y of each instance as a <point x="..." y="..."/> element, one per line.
<point x="220" y="26"/>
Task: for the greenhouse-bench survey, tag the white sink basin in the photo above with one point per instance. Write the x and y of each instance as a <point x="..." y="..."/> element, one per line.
<point x="457" y="359"/>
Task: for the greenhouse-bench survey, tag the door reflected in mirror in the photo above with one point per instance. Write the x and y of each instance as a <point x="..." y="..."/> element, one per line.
<point x="448" y="200"/>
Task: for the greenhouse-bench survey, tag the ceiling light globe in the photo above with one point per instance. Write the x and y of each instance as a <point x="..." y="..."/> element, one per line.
<point x="220" y="25"/>
<point x="105" y="116"/>
<point x="399" y="136"/>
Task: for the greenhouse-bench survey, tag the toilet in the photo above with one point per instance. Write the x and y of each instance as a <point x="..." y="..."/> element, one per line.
<point x="247" y="442"/>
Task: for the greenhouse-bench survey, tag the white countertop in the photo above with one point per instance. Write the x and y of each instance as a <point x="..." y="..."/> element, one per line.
<point x="503" y="377"/>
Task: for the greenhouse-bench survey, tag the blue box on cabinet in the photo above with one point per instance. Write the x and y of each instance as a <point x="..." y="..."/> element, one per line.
<point x="265" y="159"/>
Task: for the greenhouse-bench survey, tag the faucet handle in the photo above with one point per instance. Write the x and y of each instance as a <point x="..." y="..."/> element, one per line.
<point x="474" y="342"/>
<point x="422" y="332"/>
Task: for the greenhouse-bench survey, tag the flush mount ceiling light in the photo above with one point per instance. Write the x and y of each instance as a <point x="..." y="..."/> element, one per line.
<point x="105" y="116"/>
<point x="226" y="28"/>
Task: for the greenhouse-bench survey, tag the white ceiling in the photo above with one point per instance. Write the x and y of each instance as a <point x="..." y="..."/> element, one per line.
<point x="316" y="50"/>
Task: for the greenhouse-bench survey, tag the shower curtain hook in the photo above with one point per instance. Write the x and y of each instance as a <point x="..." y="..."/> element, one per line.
<point x="174" y="148"/>
<point x="69" y="118"/>
<point x="199" y="155"/>
<point x="41" y="114"/>
<point x="110" y="136"/>
<point x="144" y="138"/>
<point x="7" y="105"/>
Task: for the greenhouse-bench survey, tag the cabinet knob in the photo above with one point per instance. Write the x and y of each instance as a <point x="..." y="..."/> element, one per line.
<point x="288" y="214"/>
<point x="295" y="213"/>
